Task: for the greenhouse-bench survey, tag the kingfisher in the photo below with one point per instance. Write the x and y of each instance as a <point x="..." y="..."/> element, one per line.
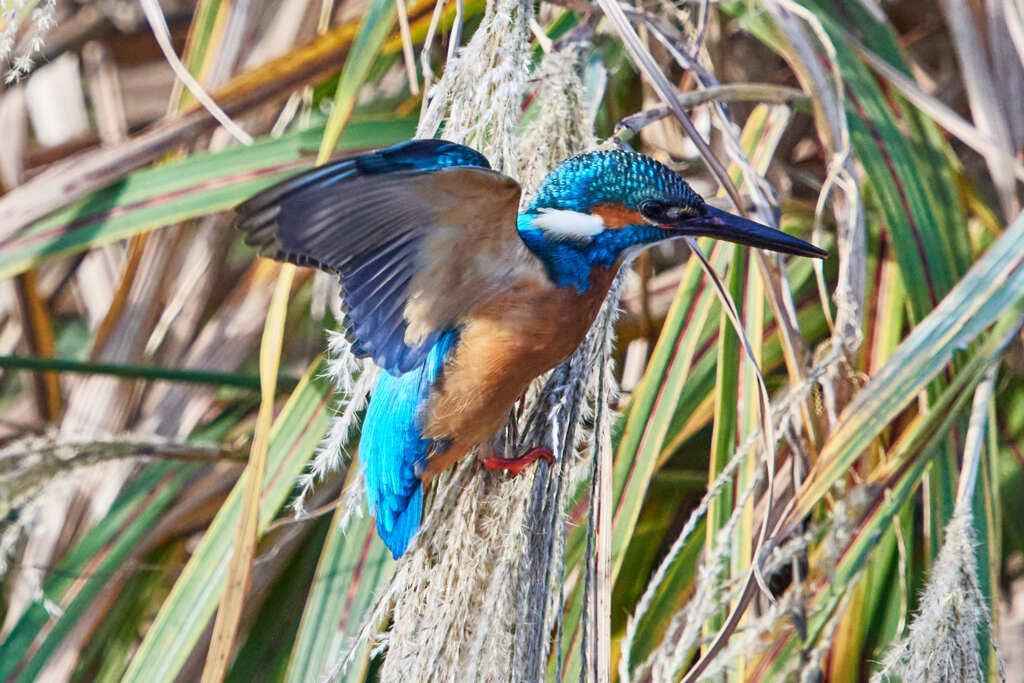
<point x="461" y="298"/>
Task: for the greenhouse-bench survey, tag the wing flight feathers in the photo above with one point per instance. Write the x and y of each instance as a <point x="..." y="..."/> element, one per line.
<point x="393" y="225"/>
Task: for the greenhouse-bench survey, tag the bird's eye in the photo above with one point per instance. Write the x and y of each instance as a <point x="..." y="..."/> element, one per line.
<point x="657" y="212"/>
<point x="676" y="214"/>
<point x="652" y="210"/>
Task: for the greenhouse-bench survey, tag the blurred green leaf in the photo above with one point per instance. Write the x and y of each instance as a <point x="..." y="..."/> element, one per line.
<point x="989" y="291"/>
<point x="261" y="656"/>
<point x="354" y="566"/>
<point x="97" y="559"/>
<point x="373" y="31"/>
<point x="187" y="610"/>
<point x="147" y="372"/>
<point x="198" y="185"/>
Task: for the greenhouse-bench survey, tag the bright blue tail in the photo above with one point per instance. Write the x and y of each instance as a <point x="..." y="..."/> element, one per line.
<point x="392" y="447"/>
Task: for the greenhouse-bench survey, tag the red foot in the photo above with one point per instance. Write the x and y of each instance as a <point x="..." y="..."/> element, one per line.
<point x="517" y="465"/>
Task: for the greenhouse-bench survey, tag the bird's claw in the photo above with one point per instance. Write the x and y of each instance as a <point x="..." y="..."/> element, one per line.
<point x="517" y="465"/>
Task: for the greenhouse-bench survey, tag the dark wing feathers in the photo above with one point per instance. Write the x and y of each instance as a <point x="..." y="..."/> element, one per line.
<point x="421" y="155"/>
<point x="363" y="219"/>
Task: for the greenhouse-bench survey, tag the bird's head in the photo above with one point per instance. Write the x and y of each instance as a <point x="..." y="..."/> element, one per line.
<point x="595" y="207"/>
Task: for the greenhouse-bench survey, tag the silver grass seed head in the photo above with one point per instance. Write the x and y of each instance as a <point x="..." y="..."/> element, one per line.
<point x="41" y="20"/>
<point x="942" y="644"/>
<point x="486" y="566"/>
<point x="353" y="378"/>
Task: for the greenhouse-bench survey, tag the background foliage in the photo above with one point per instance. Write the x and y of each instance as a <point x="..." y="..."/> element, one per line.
<point x="131" y="319"/>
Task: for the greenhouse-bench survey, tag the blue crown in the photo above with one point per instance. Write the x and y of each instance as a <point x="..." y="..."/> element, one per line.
<point x="611" y="176"/>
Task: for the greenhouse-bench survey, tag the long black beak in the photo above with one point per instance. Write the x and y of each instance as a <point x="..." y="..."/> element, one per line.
<point x="725" y="226"/>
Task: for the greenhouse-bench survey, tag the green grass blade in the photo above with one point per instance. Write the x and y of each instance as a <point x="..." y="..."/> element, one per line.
<point x="669" y="389"/>
<point x="353" y="567"/>
<point x="193" y="600"/>
<point x="262" y="655"/>
<point x="921" y="208"/>
<point x="111" y="646"/>
<point x="373" y="31"/>
<point x="725" y="428"/>
<point x="146" y="372"/>
<point x="654" y="401"/>
<point x="993" y="285"/>
<point x="987" y="526"/>
<point x="97" y="557"/>
<point x="892" y="484"/>
<point x="199" y="185"/>
<point x="205" y="32"/>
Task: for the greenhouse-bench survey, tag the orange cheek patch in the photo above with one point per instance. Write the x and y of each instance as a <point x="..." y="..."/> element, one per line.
<point x="616" y="216"/>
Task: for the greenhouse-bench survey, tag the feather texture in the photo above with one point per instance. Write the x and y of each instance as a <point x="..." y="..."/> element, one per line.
<point x="460" y="298"/>
<point x="568" y="224"/>
<point x="394" y="225"/>
<point x="392" y="449"/>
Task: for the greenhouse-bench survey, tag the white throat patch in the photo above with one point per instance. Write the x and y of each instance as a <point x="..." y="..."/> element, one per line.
<point x="568" y="224"/>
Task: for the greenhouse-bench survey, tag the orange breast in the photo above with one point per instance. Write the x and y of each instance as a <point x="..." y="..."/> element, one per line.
<point x="503" y="346"/>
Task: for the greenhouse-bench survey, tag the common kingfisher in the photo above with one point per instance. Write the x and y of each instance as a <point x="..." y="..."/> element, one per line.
<point x="461" y="298"/>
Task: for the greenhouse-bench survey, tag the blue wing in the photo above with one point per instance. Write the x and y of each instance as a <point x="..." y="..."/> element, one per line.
<point x="392" y="449"/>
<point x="383" y="221"/>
